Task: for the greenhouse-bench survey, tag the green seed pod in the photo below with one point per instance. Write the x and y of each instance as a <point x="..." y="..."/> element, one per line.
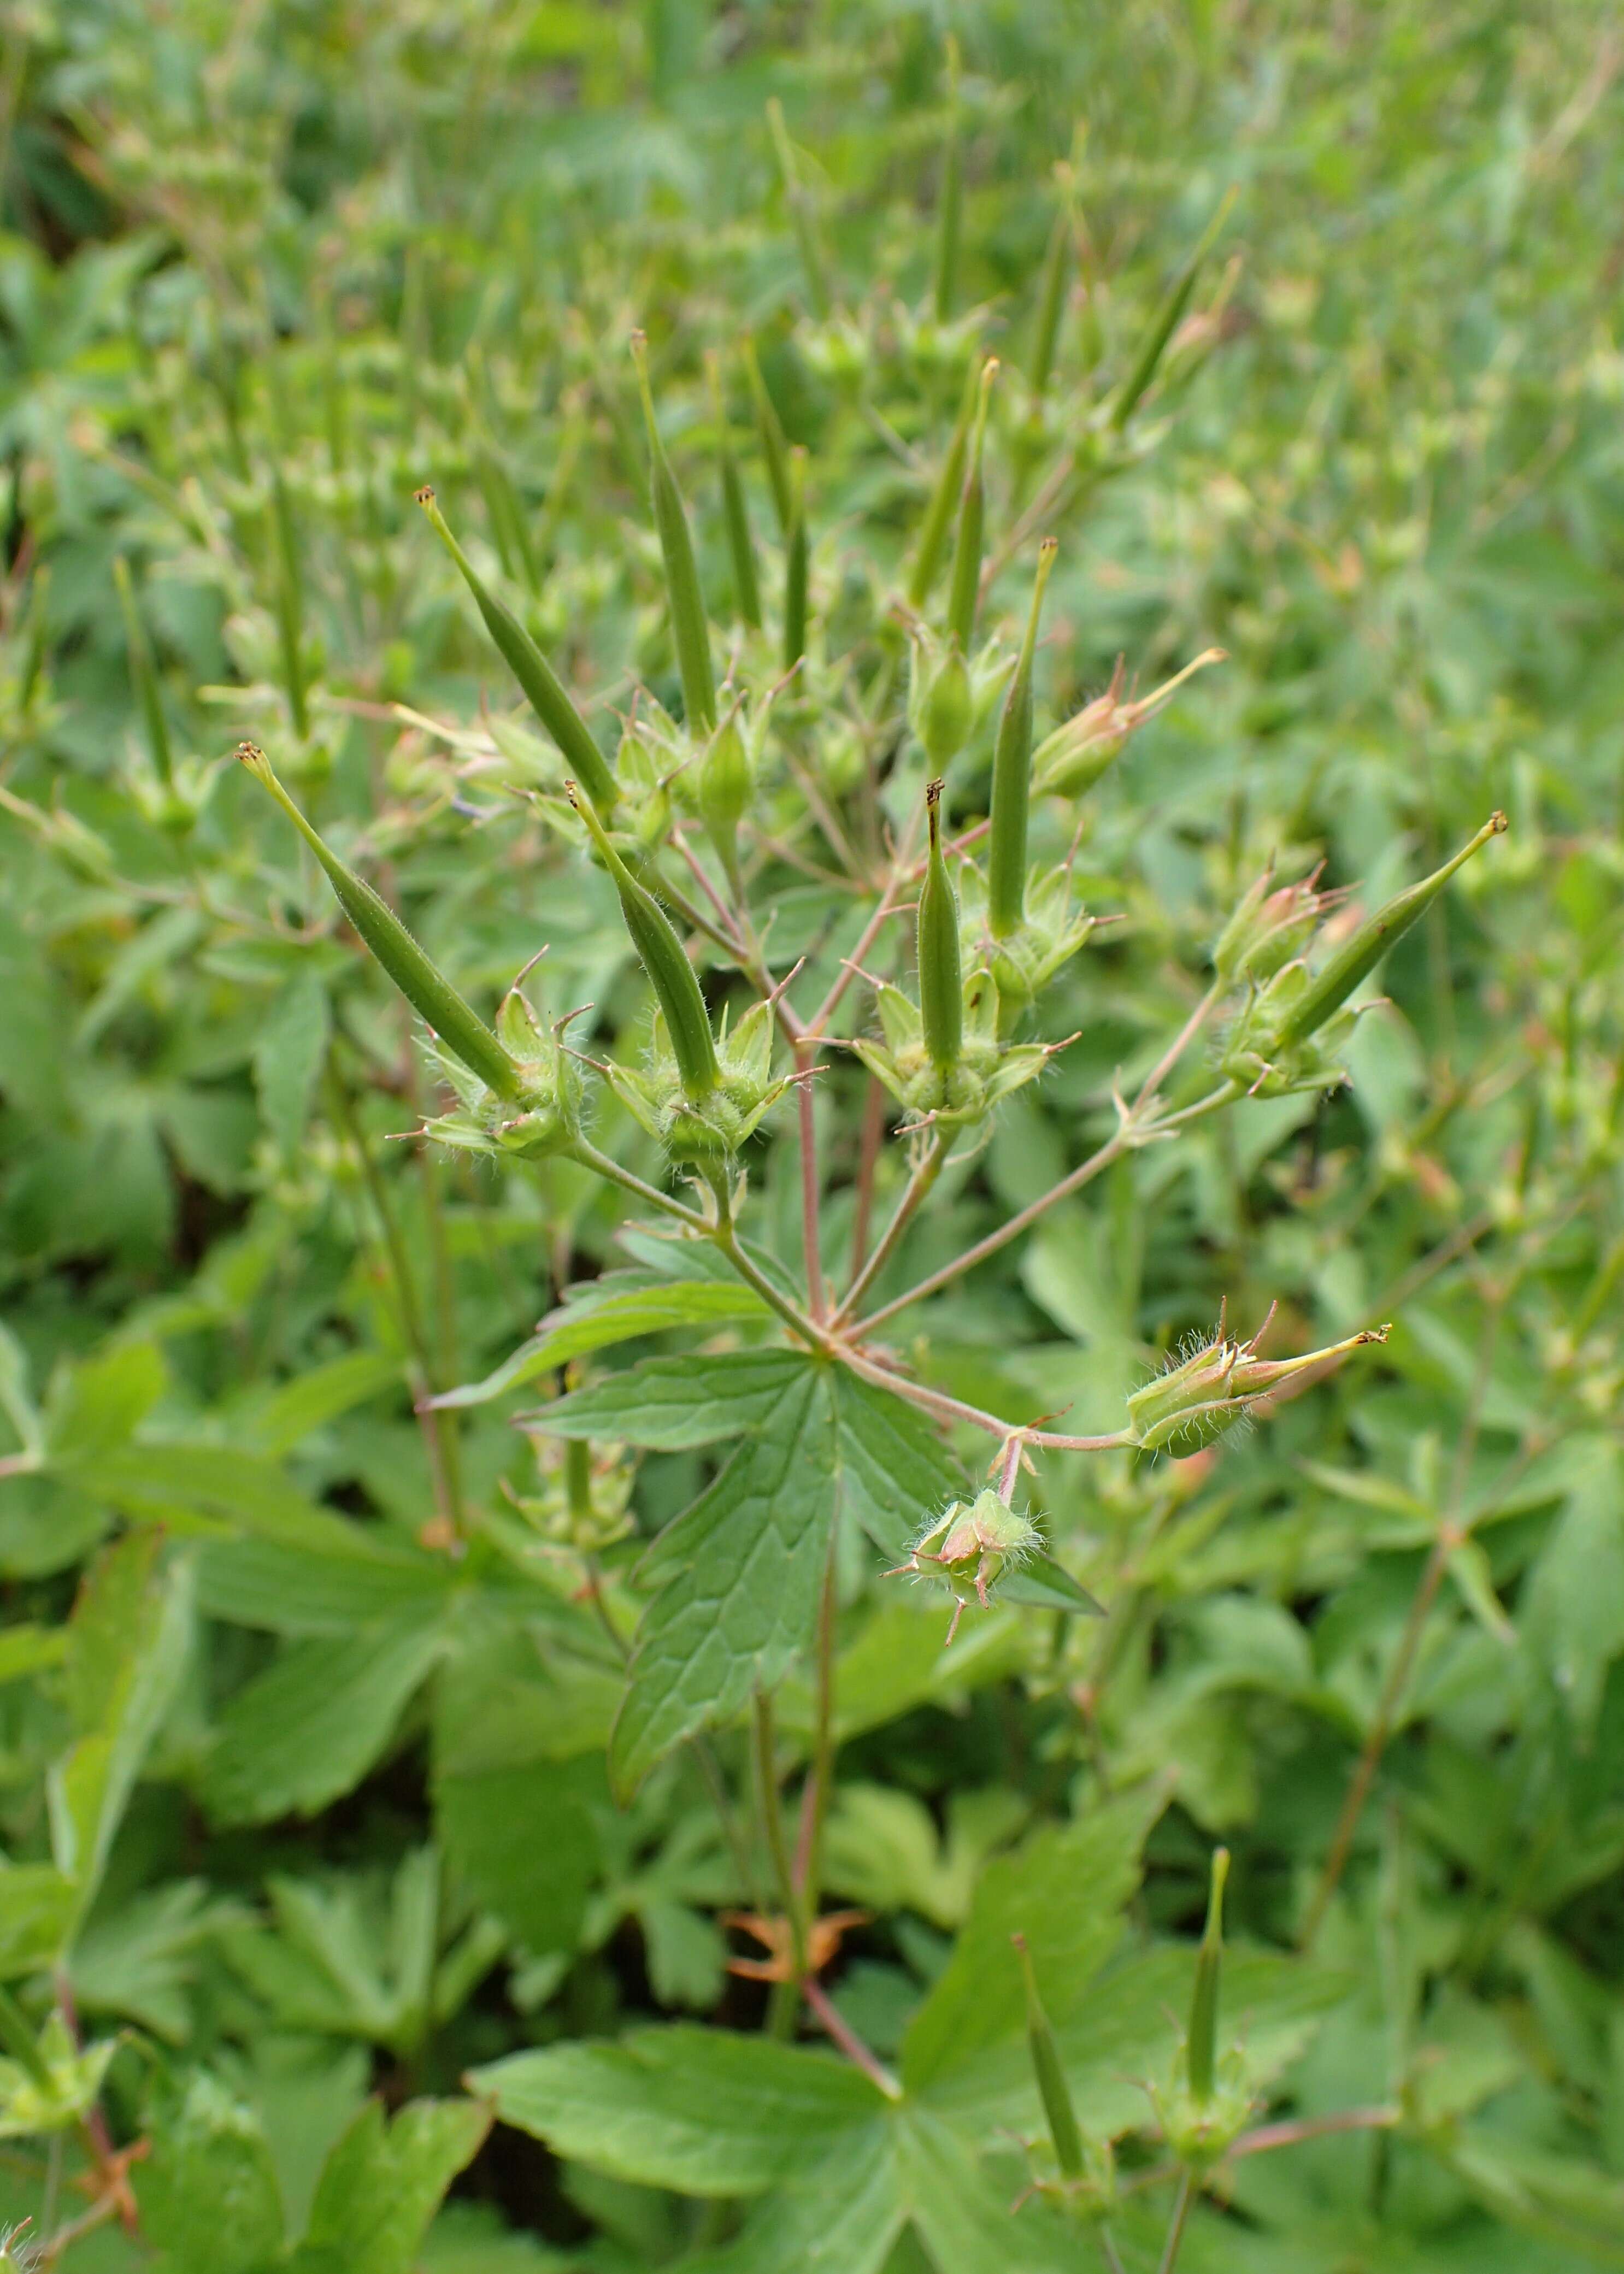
<point x="735" y="514"/>
<point x="949" y="483"/>
<point x="726" y="780"/>
<point x="1357" y="957"/>
<point x="289" y="607"/>
<point x="662" y="956"/>
<point x="964" y="591"/>
<point x="690" y="627"/>
<point x="539" y="684"/>
<point x="774" y="448"/>
<point x="1201" y="2045"/>
<point x="1052" y="292"/>
<point x="422" y="982"/>
<point x="941" y="983"/>
<point x="1012" y="774"/>
<point x="795" y="564"/>
<point x="144" y="677"/>
<point x="34" y="638"/>
<point x="941" y="705"/>
<point x="1166" y="322"/>
<point x="506" y="509"/>
<point x="950" y="199"/>
<point x="802" y="213"/>
<point x="1052" y="2086"/>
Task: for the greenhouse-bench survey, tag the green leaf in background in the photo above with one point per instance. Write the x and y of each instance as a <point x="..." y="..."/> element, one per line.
<point x="1574" y="1625"/>
<point x="207" y="2195"/>
<point x="127" y="1649"/>
<point x="1065" y="1890"/>
<point x="699" y="2110"/>
<point x="289" y="1056"/>
<point x="311" y="1726"/>
<point x="382" y="2184"/>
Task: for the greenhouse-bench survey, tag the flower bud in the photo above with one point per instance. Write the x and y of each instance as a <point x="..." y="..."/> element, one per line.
<point x="970" y="1548"/>
<point x="1073" y="758"/>
<point x="1190" y="1403"/>
<point x="1272" y="924"/>
<point x="1358" y="957"/>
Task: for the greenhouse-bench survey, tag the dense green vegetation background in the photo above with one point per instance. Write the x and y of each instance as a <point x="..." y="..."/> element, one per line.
<point x="363" y="1837"/>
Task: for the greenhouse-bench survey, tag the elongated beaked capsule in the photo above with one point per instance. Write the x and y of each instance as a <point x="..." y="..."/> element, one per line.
<point x="425" y="986"/>
<point x="769" y="429"/>
<point x="1012" y="775"/>
<point x="950" y="199"/>
<point x="290" y="606"/>
<point x="662" y="956"/>
<point x="965" y="591"/>
<point x="691" y="632"/>
<point x="1052" y="2089"/>
<point x="795" y="563"/>
<point x="1358" y="957"/>
<point x="1200" y="2054"/>
<point x="542" y="688"/>
<point x="949" y="483"/>
<point x="942" y="982"/>
<point x="144" y="676"/>
<point x="1165" y="322"/>
<point x="736" y="512"/>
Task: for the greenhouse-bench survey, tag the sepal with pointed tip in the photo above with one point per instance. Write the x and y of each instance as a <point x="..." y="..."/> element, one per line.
<point x="1085" y="746"/>
<point x="986" y="1071"/>
<point x="1025" y="960"/>
<point x="1216" y="1384"/>
<point x="713" y="1127"/>
<point x="542" y="1121"/>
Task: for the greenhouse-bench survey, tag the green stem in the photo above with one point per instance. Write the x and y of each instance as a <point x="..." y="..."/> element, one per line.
<point x="1175" y="2231"/>
<point x="916" y="1192"/>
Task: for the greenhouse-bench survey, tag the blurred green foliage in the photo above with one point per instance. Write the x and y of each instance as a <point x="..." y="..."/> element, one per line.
<point x="299" y="1803"/>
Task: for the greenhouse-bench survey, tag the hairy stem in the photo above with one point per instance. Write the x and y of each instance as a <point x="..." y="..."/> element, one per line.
<point x="1175" y="2229"/>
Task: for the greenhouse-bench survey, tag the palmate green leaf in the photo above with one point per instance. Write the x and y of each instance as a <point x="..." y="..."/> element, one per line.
<point x="383" y="2182"/>
<point x="698" y="2110"/>
<point x="288" y="1055"/>
<point x="618" y="1315"/>
<point x="208" y="2193"/>
<point x="275" y="1424"/>
<point x="354" y="1580"/>
<point x="1573" y="1621"/>
<point x="127" y="1649"/>
<point x="98" y="1405"/>
<point x="739" y="1575"/>
<point x="209" y="1490"/>
<point x="1064" y="1889"/>
<point x="138" y="1962"/>
<point x="671" y="1404"/>
<point x="844" y="2216"/>
<point x="38" y="1904"/>
<point x="311" y="1726"/>
<point x="524" y="1842"/>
